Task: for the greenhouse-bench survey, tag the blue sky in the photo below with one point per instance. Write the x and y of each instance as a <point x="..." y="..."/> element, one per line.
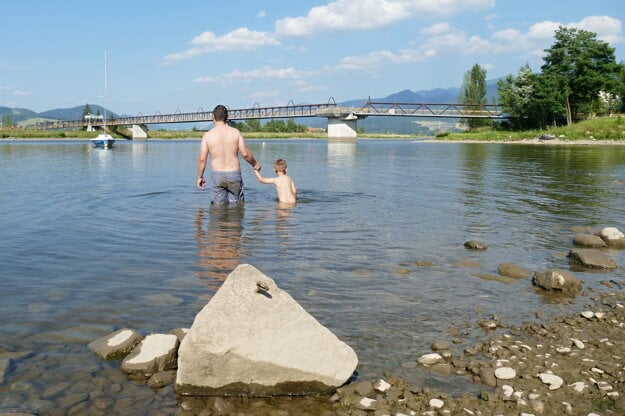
<point x="186" y="56"/>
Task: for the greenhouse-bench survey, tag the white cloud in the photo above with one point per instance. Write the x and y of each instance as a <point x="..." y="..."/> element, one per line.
<point x="444" y="39"/>
<point x="454" y="41"/>
<point x="374" y="60"/>
<point x="436" y="29"/>
<point x="540" y="36"/>
<point x="336" y="16"/>
<point x="346" y="15"/>
<point x="247" y="76"/>
<point x="241" y="39"/>
<point x="342" y="15"/>
<point x="607" y="28"/>
<point x="261" y="14"/>
<point x="21" y="93"/>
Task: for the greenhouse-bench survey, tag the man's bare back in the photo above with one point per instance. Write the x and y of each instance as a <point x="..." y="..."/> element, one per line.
<point x="223" y="144"/>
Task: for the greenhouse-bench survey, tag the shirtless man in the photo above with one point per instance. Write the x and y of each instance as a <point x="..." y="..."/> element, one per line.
<point x="223" y="144"/>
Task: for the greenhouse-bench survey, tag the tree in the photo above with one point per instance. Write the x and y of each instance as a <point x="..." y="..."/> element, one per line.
<point x="473" y="92"/>
<point x="85" y="111"/>
<point x="517" y="96"/>
<point x="254" y="124"/>
<point x="7" y="121"/>
<point x="580" y="67"/>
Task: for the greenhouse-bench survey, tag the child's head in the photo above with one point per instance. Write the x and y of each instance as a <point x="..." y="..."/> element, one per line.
<point x="280" y="166"/>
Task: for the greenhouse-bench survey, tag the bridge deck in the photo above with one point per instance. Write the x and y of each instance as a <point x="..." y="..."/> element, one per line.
<point x="369" y="109"/>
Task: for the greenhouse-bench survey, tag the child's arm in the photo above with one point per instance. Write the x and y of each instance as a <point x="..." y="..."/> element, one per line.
<point x="294" y="189"/>
<point x="261" y="179"/>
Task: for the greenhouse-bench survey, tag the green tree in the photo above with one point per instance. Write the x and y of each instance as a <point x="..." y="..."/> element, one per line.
<point x="7" y="121"/>
<point x="86" y="110"/>
<point x="580" y="67"/>
<point x="253" y="124"/>
<point x="517" y="96"/>
<point x="473" y="93"/>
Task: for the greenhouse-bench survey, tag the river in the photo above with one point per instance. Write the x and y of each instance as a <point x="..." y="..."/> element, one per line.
<point x="96" y="240"/>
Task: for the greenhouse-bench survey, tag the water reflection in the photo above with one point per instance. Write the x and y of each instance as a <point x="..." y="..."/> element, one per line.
<point x="219" y="243"/>
<point x="341" y="154"/>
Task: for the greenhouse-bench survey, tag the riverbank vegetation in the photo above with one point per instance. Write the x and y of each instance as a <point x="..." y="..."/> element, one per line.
<point x="579" y="79"/>
<point x="577" y="95"/>
<point x="594" y="129"/>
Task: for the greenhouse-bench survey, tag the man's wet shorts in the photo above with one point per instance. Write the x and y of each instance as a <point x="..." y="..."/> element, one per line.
<point x="226" y="187"/>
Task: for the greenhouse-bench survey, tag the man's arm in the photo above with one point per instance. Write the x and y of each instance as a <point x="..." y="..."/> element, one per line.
<point x="202" y="159"/>
<point x="247" y="155"/>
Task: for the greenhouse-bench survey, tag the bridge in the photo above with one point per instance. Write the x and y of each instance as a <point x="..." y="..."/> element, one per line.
<point x="342" y="120"/>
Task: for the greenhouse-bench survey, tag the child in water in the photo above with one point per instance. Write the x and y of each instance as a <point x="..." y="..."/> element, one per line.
<point x="287" y="193"/>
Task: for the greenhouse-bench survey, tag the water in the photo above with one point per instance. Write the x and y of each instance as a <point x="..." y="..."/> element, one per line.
<point x="96" y="240"/>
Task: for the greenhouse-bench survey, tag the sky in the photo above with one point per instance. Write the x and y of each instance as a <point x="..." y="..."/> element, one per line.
<point x="167" y="57"/>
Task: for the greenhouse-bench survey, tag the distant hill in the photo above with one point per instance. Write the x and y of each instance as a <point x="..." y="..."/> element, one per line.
<point x="25" y="118"/>
<point x="74" y="113"/>
<point x="16" y="114"/>
<point x="435" y="96"/>
<point x="399" y="125"/>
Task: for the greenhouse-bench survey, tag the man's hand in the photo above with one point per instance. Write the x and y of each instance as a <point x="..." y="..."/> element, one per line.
<point x="200" y="183"/>
<point x="257" y="167"/>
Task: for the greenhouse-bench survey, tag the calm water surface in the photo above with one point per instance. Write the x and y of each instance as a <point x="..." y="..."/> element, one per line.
<point x="96" y="240"/>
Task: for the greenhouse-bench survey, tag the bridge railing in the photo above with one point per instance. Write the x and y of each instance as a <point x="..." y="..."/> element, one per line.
<point x="329" y="109"/>
<point x="300" y="110"/>
<point x="431" y="110"/>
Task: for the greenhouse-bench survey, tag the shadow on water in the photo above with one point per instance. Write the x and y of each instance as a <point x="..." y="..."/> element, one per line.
<point x="218" y="242"/>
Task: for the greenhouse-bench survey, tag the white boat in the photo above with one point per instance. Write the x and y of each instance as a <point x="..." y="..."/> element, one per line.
<point x="104" y="140"/>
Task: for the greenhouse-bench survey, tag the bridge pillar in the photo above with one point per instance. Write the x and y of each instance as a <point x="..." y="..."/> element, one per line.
<point x="342" y="128"/>
<point x="342" y="123"/>
<point x="139" y="132"/>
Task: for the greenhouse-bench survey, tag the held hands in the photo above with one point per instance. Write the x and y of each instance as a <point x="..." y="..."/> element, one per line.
<point x="257" y="167"/>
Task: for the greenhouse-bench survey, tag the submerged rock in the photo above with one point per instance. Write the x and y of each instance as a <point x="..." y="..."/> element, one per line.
<point x="591" y="258"/>
<point x="115" y="345"/>
<point x="253" y="338"/>
<point x="513" y="271"/>
<point x="556" y="279"/>
<point x="588" y="240"/>
<point x="475" y="245"/>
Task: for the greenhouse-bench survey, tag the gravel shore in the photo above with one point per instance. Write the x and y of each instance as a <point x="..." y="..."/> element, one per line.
<point x="569" y="365"/>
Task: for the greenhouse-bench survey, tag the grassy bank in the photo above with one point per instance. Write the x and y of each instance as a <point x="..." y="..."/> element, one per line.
<point x="598" y="128"/>
<point x="173" y="135"/>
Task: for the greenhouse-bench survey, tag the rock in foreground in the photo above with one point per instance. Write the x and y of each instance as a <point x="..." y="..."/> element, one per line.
<point x="253" y="339"/>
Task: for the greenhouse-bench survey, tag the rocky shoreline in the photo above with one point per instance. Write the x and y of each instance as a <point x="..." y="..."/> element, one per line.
<point x="569" y="365"/>
<point x="565" y="365"/>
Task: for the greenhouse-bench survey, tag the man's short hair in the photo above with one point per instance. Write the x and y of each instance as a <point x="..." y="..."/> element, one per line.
<point x="220" y="113"/>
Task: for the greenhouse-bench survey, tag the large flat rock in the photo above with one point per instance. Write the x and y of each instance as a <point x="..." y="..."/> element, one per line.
<point x="253" y="338"/>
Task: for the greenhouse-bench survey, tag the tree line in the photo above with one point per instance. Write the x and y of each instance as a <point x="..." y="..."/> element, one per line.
<point x="579" y="78"/>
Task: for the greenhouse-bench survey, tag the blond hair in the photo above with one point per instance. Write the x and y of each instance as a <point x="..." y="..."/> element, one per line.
<point x="280" y="165"/>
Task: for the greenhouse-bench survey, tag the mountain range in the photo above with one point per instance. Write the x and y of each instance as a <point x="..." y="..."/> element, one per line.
<point x="401" y="125"/>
